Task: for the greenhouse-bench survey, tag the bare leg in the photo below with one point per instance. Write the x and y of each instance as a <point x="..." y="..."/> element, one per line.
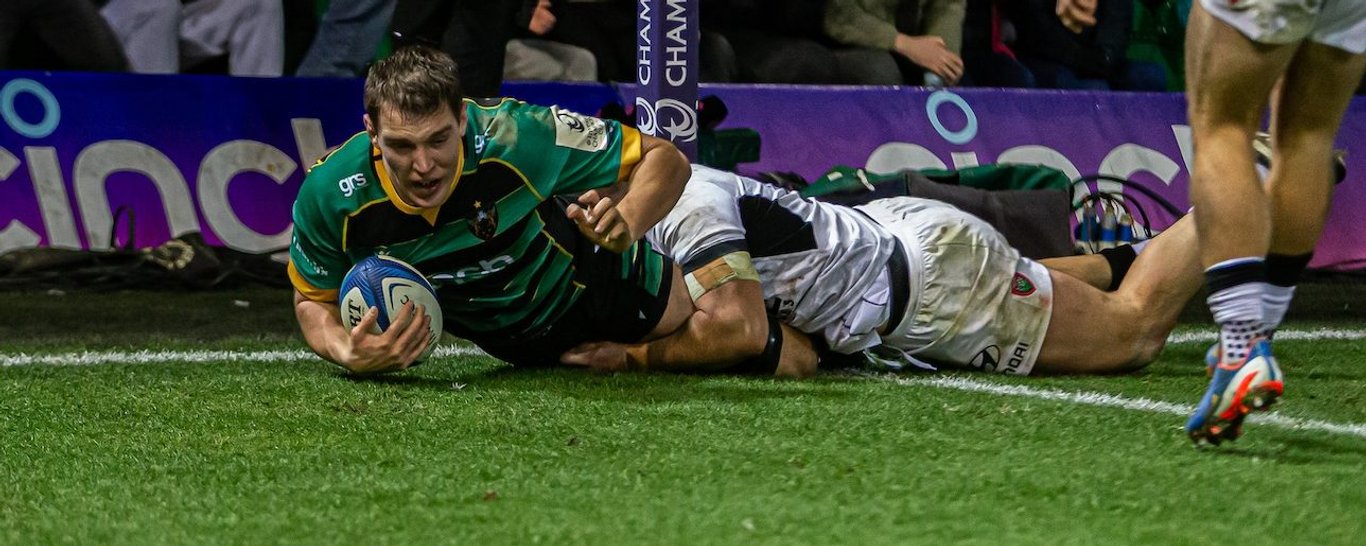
<point x="1240" y="221"/>
<point x="1230" y="78"/>
<point x="1093" y="331"/>
<point x="1091" y="269"/>
<point x="1305" y="117"/>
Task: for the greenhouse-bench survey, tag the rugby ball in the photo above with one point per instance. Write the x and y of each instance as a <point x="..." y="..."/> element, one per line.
<point x="388" y="283"/>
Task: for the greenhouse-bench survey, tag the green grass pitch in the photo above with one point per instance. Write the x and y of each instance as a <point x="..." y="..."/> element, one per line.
<point x="155" y="418"/>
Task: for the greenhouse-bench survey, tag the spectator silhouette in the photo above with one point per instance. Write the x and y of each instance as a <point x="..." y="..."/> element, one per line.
<point x="57" y="35"/>
<point x="893" y="42"/>
<point x="534" y="56"/>
<point x="349" y="33"/>
<point x="170" y="36"/>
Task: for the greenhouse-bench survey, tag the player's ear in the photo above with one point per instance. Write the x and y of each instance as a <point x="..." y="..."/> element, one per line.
<point x="370" y="126"/>
<point x="460" y="119"/>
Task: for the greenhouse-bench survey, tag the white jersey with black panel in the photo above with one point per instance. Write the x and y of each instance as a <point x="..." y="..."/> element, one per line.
<point x="817" y="261"/>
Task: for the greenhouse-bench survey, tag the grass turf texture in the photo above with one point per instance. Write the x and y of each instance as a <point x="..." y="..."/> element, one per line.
<point x="466" y="450"/>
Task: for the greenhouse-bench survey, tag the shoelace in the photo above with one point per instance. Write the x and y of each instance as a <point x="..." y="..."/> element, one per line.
<point x="896" y="358"/>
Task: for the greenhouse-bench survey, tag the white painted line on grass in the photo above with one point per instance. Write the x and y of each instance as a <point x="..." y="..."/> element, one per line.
<point x="1109" y="401"/>
<point x="1288" y="334"/>
<point x="94" y="358"/>
<point x="91" y="358"/>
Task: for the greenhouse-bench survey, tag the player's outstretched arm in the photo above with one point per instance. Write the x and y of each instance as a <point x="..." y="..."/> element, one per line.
<point x="730" y="330"/>
<point x="617" y="216"/>
<point x="359" y="350"/>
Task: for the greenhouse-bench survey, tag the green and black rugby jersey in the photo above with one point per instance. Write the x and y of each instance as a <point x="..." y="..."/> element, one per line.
<point x="499" y="250"/>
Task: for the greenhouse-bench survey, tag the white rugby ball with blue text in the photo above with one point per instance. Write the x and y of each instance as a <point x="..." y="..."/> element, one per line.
<point x="388" y="283"/>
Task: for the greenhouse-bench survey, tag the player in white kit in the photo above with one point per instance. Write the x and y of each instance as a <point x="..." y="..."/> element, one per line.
<point x="1304" y="57"/>
<point x="916" y="282"/>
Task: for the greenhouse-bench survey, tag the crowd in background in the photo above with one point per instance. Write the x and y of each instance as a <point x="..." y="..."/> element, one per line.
<point x="1133" y="45"/>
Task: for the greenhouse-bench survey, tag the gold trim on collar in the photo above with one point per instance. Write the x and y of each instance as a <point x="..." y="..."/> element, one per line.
<point x="377" y="159"/>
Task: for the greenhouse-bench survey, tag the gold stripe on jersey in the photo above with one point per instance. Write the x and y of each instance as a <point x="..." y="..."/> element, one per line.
<point x="328" y="154"/>
<point x="734" y="266"/>
<point x="519" y="174"/>
<point x="555" y="243"/>
<point x="485" y="104"/>
<point x="308" y="290"/>
<point x="630" y="151"/>
<point x="428" y="214"/>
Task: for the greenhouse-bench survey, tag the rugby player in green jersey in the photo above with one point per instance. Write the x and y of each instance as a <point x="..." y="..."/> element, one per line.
<point x="526" y="219"/>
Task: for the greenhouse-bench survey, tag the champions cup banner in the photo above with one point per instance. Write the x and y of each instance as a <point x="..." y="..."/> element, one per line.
<point x="225" y="156"/>
<point x="666" y="71"/>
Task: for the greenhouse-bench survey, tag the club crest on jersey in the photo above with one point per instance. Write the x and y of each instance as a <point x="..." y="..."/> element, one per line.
<point x="1021" y="285"/>
<point x="484" y="220"/>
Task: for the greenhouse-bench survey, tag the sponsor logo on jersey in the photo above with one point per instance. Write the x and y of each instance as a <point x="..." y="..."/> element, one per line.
<point x="987" y="359"/>
<point x="1017" y="358"/>
<point x="484" y="220"/>
<point x="578" y="131"/>
<point x="481" y="141"/>
<point x="1021" y="285"/>
<point x="781" y="308"/>
<point x="474" y="272"/>
<point x="304" y="259"/>
<point x="349" y="184"/>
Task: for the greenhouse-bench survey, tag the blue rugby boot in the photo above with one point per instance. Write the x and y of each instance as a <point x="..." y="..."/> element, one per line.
<point x="1213" y="355"/>
<point x="1237" y="389"/>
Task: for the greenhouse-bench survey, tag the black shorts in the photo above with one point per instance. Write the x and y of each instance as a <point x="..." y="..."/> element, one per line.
<point x="623" y="299"/>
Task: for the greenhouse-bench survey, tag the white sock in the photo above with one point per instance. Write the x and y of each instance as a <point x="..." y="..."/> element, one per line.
<point x="1275" y="302"/>
<point x="1241" y="318"/>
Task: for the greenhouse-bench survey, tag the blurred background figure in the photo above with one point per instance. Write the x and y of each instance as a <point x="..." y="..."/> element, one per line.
<point x="988" y="60"/>
<point x="765" y="41"/>
<point x="896" y="42"/>
<point x="1159" y="38"/>
<point x="170" y="36"/>
<point x="473" y="32"/>
<point x="349" y="34"/>
<point x="604" y="28"/>
<point x="1066" y="53"/>
<point x="57" y="35"/>
<point x="534" y="56"/>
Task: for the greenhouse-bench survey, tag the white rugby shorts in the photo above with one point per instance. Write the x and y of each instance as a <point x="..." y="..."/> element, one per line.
<point x="1336" y="23"/>
<point x="975" y="302"/>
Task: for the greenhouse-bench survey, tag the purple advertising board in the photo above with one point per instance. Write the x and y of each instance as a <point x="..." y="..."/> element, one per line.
<point x="666" y="71"/>
<point x="225" y="156"/>
<point x="222" y="156"/>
